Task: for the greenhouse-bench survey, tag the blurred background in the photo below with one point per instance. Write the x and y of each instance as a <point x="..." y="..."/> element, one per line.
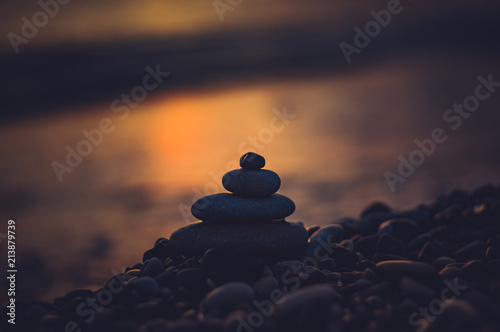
<point x="232" y="70"/>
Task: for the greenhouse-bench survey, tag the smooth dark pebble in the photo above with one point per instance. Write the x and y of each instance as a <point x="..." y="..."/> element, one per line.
<point x="137" y="266"/>
<point x="152" y="267"/>
<point x="348" y="244"/>
<point x="370" y="274"/>
<point x="376" y="208"/>
<point x="321" y="243"/>
<point x="162" y="250"/>
<point x="133" y="273"/>
<point x="388" y="257"/>
<point x="311" y="229"/>
<point x="251" y="160"/>
<point x="417" y="270"/>
<point x="367" y="244"/>
<point x="305" y="308"/>
<point x="146" y="285"/>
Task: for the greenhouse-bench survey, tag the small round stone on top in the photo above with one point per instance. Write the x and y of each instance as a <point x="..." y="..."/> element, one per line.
<point x="252" y="160"/>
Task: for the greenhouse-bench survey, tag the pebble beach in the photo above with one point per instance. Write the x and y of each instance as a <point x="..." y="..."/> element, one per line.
<point x="432" y="268"/>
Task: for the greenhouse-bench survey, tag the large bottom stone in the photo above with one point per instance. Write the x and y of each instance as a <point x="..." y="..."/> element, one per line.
<point x="268" y="240"/>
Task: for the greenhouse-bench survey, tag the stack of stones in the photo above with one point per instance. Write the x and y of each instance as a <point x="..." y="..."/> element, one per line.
<point x="249" y="220"/>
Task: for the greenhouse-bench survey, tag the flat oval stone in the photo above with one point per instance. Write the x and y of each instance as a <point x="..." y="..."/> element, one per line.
<point x="266" y="240"/>
<point x="251" y="183"/>
<point x="227" y="297"/>
<point x="234" y="209"/>
<point x="252" y="160"/>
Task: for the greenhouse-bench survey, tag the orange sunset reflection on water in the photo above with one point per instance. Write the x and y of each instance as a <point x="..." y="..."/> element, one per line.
<point x="193" y="135"/>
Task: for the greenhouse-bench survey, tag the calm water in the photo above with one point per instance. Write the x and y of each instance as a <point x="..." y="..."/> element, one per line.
<point x="139" y="182"/>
